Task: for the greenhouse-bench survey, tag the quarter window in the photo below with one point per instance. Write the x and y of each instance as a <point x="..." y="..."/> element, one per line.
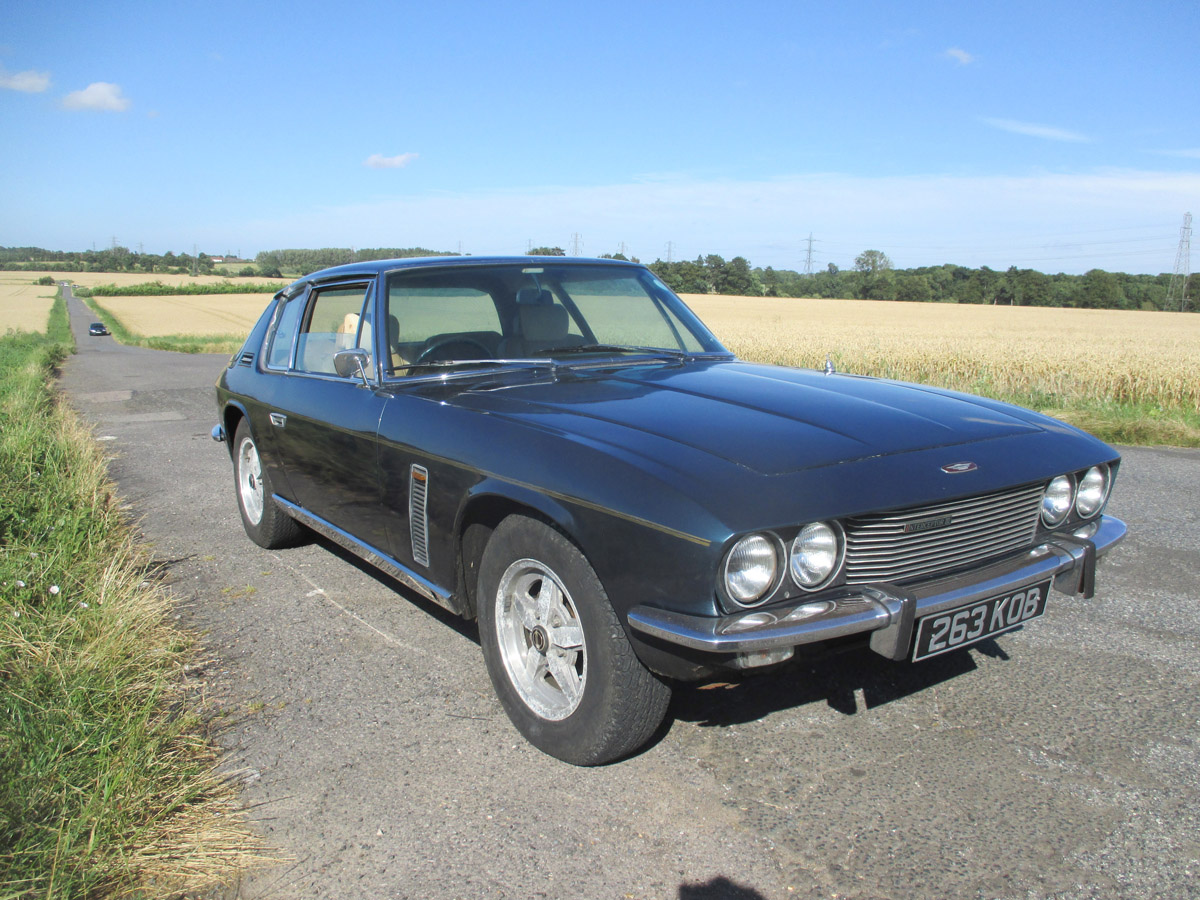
<point x="280" y="354"/>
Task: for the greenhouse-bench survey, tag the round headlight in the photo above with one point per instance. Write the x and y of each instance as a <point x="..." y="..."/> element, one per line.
<point x="1057" y="500"/>
<point x="1093" y="491"/>
<point x="751" y="569"/>
<point x="816" y="554"/>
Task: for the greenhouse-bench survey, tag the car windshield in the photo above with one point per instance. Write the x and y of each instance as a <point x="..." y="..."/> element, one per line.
<point x="567" y="312"/>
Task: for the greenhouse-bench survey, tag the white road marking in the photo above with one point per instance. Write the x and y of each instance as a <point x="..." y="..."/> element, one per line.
<point x="318" y="591"/>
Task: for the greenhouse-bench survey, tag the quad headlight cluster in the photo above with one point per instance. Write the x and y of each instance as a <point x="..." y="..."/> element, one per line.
<point x="756" y="566"/>
<point x="1086" y="494"/>
<point x="758" y="563"/>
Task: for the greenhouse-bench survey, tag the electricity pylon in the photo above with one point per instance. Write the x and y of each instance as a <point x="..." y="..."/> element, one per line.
<point x="1183" y="266"/>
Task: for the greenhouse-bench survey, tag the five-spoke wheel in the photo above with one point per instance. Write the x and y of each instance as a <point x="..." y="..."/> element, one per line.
<point x="265" y="523"/>
<point x="557" y="654"/>
<point x="541" y="639"/>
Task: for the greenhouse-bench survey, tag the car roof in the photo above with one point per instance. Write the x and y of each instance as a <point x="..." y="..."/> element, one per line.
<point x="376" y="267"/>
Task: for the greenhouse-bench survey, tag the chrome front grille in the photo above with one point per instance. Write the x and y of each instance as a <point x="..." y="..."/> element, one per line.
<point x="920" y="542"/>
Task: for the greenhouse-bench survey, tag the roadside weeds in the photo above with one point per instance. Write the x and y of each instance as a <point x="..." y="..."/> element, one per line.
<point x="108" y="782"/>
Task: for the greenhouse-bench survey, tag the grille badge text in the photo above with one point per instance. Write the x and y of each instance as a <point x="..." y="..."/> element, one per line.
<point x="927" y="524"/>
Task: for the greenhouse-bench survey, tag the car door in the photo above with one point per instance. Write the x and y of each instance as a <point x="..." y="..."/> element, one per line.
<point x="323" y="425"/>
<point x="429" y="316"/>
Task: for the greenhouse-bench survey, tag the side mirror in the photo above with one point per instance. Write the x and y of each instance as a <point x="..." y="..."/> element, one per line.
<point x="348" y="363"/>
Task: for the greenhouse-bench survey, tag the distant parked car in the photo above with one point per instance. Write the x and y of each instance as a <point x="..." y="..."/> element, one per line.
<point x="97" y="328"/>
<point x="560" y="449"/>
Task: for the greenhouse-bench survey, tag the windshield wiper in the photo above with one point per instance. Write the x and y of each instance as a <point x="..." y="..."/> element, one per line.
<point x="576" y="349"/>
<point x="473" y="363"/>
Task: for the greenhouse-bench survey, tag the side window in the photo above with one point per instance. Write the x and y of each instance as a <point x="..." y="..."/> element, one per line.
<point x="280" y="354"/>
<point x="333" y="321"/>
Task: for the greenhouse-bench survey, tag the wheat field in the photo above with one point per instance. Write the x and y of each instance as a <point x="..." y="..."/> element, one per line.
<point x="195" y="314"/>
<point x="24" y="306"/>
<point x="124" y="279"/>
<point x="1057" y="356"/>
<point x="1045" y="356"/>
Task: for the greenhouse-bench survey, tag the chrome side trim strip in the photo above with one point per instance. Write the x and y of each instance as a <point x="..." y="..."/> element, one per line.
<point x="886" y="610"/>
<point x="366" y="552"/>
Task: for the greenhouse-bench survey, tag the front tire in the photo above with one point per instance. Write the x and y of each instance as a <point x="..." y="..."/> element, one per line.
<point x="265" y="523"/>
<point x="556" y="652"/>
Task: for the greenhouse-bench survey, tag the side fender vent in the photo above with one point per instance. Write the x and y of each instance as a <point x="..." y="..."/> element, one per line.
<point x="418" y="517"/>
<point x="246" y="359"/>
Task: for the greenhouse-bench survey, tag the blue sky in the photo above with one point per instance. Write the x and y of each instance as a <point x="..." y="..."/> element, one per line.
<point x="1052" y="135"/>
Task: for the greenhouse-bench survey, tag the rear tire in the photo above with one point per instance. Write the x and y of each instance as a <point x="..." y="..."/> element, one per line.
<point x="265" y="522"/>
<point x="557" y="654"/>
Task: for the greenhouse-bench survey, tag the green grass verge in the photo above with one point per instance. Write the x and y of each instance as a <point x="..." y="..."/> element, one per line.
<point x="107" y="785"/>
<point x="1129" y="424"/>
<point x="178" y="343"/>
<point x="158" y="289"/>
<point x="1138" y="424"/>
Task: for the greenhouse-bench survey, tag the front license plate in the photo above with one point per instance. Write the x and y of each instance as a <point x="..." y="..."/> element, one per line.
<point x="967" y="625"/>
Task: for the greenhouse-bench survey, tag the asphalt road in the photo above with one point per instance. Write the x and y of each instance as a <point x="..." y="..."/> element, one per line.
<point x="1059" y="761"/>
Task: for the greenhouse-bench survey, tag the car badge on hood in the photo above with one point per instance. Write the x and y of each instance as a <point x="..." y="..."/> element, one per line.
<point x="959" y="467"/>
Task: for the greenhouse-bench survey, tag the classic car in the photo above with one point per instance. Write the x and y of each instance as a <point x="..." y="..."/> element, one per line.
<point x="561" y="450"/>
<point x="97" y="329"/>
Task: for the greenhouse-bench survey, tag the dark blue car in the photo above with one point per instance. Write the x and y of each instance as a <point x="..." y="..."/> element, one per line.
<point x="560" y="449"/>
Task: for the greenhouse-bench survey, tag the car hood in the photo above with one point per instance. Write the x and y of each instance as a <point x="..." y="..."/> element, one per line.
<point x="768" y="419"/>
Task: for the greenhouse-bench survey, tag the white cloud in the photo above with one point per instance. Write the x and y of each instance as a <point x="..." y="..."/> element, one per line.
<point x="379" y="161"/>
<point x="99" y="95"/>
<point x="1030" y="129"/>
<point x="960" y="56"/>
<point x="917" y="220"/>
<point x="29" y="81"/>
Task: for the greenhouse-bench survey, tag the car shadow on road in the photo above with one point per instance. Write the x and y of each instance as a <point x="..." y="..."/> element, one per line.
<point x="467" y="628"/>
<point x="839" y="681"/>
<point x="719" y="888"/>
<point x="850" y="682"/>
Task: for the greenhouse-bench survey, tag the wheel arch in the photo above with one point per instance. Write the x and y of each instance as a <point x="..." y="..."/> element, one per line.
<point x="232" y="416"/>
<point x="484" y="509"/>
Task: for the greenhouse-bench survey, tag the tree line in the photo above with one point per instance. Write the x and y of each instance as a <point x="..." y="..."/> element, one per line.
<point x="873" y="277"/>
<point x="267" y="264"/>
<point x="110" y="259"/>
<point x="304" y="262"/>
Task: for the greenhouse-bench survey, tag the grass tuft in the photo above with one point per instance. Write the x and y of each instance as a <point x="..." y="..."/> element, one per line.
<point x="107" y="785"/>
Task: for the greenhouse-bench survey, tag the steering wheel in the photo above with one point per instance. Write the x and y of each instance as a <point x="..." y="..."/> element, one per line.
<point x="449" y="348"/>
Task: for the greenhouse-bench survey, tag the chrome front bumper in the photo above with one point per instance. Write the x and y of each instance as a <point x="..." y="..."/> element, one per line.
<point x="889" y="612"/>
